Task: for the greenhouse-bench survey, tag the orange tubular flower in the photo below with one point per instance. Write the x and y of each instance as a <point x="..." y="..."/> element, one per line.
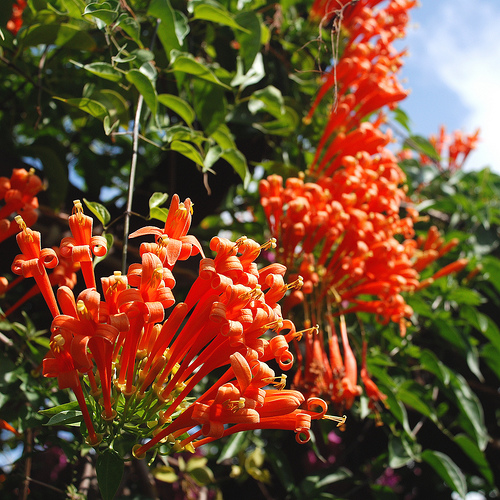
<point x="82" y="245"/>
<point x="59" y="363"/>
<point x="172" y="243"/>
<point x="33" y="261"/>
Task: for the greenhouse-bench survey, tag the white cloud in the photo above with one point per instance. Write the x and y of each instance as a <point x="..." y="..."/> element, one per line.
<point x="460" y="46"/>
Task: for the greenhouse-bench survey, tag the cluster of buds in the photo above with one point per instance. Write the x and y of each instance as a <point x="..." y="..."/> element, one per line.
<point x="136" y="369"/>
<point x="18" y="196"/>
<point x="16" y="20"/>
<point x="347" y="225"/>
<point x="452" y="150"/>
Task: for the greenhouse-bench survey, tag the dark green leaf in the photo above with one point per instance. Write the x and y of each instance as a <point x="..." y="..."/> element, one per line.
<point x="188" y="150"/>
<point x="236" y="443"/>
<point x="179" y="106"/>
<point x="58" y="409"/>
<point x="185" y="63"/>
<point x="66" y="417"/>
<point x="209" y="104"/>
<point x="250" y="41"/>
<point x="66" y="35"/>
<point x="476" y="455"/>
<point x="216" y="14"/>
<point x="447" y="469"/>
<point x="167" y="33"/>
<point x="109" y="469"/>
<point x="143" y="84"/>
<point x="131" y="27"/>
<point x="104" y="70"/>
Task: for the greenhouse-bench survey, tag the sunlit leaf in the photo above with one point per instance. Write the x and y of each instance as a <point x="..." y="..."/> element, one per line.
<point x="100" y="211"/>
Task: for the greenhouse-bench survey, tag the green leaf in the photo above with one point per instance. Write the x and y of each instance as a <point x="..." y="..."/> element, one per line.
<point x="410" y="398"/>
<point x="237" y="160"/>
<point x="235" y="443"/>
<point x="209" y="104"/>
<point x="158" y="213"/>
<point x="165" y="474"/>
<point x="401" y="451"/>
<point x="66" y="35"/>
<point x="104" y="70"/>
<point x="100" y="211"/>
<point x="90" y="106"/>
<point x="143" y="84"/>
<point x="482" y="323"/>
<point x="185" y="63"/>
<point x="188" y="150"/>
<point x="250" y="40"/>
<point x="447" y="469"/>
<point x="476" y="455"/>
<point x="131" y="27"/>
<point x="284" y="126"/>
<point x="105" y="11"/>
<point x="179" y="106"/>
<point x="109" y="469"/>
<point x="66" y="417"/>
<point x="49" y="412"/>
<point x="421" y="145"/>
<point x="223" y="137"/>
<point x="269" y="100"/>
<point x="213" y="154"/>
<point x="254" y="75"/>
<point x="200" y="473"/>
<point x="157" y="199"/>
<point x="167" y="32"/>
<point x="402" y="118"/>
<point x="115" y="104"/>
<point x="216" y="14"/>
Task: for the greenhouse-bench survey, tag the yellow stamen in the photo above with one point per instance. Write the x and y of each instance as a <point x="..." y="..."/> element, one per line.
<point x="81" y="309"/>
<point x="270" y="244"/>
<point x="312" y="330"/>
<point x="234" y="406"/>
<point x="57" y="343"/>
<point x="28" y="236"/>
<point x="78" y="210"/>
<point x="340" y="420"/>
<point x="278" y="382"/>
<point x="181" y="212"/>
<point x="254" y="294"/>
<point x="297" y="284"/>
<point x="275" y="325"/>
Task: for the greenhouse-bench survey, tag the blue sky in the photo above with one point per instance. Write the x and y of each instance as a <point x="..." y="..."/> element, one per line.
<point x="453" y="71"/>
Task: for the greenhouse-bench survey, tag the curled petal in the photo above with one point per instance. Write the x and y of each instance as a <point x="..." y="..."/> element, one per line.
<point x="99" y="245"/>
<point x="49" y="258"/>
<point x="315" y="402"/>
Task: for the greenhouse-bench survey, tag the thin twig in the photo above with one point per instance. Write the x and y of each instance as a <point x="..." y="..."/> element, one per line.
<point x="27" y="467"/>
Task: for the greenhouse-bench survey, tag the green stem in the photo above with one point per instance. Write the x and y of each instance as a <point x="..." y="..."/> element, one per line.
<point x="131" y="182"/>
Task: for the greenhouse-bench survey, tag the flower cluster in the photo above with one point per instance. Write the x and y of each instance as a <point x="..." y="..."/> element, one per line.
<point x="16" y="21"/>
<point x="134" y="368"/>
<point x="346" y="225"/>
<point x="452" y="150"/>
<point x="18" y="196"/>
